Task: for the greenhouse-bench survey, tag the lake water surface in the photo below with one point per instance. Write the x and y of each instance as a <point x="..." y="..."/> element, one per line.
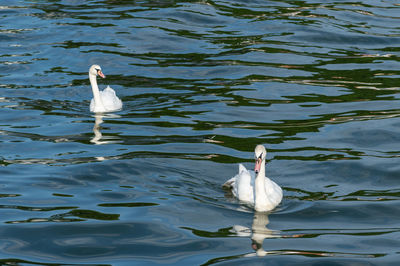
<point x="203" y="82"/>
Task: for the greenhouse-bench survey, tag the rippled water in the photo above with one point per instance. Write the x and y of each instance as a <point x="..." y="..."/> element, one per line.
<point x="202" y="83"/>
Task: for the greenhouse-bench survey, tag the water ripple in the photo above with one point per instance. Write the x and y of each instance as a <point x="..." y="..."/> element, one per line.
<point x="202" y="83"/>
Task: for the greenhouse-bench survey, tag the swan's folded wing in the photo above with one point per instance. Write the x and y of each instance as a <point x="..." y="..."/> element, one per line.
<point x="242" y="168"/>
<point x="230" y="183"/>
<point x="242" y="185"/>
<point x="110" y="99"/>
<point x="273" y="191"/>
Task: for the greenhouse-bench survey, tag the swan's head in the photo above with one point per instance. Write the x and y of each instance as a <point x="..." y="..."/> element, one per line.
<point x="96" y="70"/>
<point x="260" y="153"/>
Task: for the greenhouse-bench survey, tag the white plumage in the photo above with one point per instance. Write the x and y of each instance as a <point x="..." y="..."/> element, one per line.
<point x="103" y="101"/>
<point x="254" y="188"/>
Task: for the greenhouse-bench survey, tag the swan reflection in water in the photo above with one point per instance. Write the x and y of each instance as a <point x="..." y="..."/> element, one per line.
<point x="258" y="232"/>
<point x="261" y="232"/>
<point x="98" y="137"/>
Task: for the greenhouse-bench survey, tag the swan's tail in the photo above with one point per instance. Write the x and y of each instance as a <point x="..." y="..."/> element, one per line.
<point x="229" y="184"/>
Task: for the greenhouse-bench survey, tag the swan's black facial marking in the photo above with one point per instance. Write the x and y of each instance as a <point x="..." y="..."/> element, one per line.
<point x="99" y="73"/>
<point x="258" y="162"/>
<point x="259" y="157"/>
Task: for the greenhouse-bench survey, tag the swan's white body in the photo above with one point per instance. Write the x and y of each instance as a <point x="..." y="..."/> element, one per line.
<point x="255" y="189"/>
<point x="103" y="101"/>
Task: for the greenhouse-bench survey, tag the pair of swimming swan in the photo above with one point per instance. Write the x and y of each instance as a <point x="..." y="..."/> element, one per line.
<point x="251" y="188"/>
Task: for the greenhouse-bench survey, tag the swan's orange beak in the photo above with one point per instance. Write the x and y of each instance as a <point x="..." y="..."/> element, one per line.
<point x="101" y="74"/>
<point x="258" y="165"/>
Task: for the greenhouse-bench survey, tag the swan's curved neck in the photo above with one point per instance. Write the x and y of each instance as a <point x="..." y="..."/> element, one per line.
<point x="260" y="193"/>
<point x="95" y="90"/>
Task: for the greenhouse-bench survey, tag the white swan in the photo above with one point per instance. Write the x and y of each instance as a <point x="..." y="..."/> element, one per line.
<point x="103" y="101"/>
<point x="254" y="188"/>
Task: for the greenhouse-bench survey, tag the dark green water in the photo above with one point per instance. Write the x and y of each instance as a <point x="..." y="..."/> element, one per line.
<point x="202" y="83"/>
